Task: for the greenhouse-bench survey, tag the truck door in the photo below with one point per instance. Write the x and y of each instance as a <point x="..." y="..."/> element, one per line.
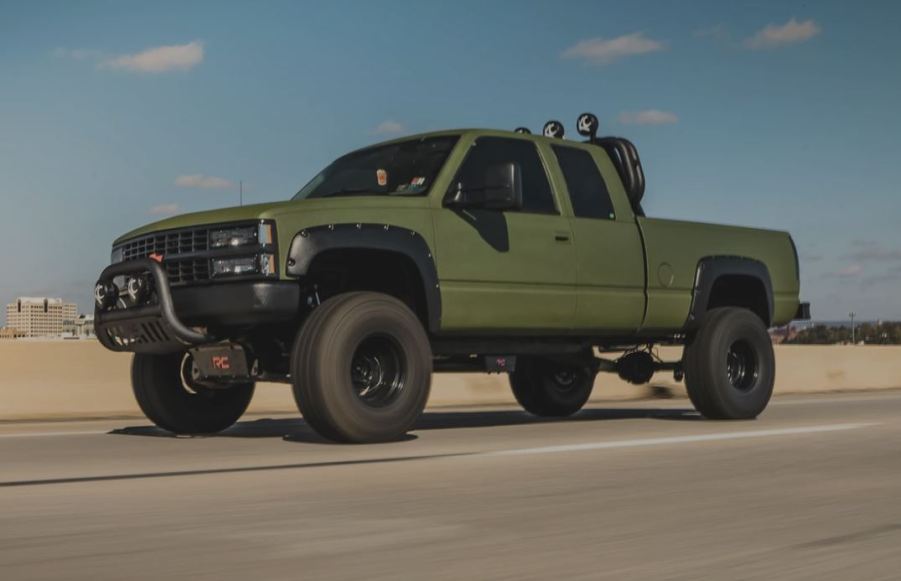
<point x="506" y="270"/>
<point x="609" y="253"/>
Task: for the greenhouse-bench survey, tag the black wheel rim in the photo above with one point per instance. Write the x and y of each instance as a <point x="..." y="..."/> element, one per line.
<point x="564" y="380"/>
<point x="742" y="366"/>
<point x="377" y="370"/>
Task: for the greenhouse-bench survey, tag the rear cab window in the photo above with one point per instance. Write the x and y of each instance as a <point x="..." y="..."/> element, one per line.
<point x="587" y="188"/>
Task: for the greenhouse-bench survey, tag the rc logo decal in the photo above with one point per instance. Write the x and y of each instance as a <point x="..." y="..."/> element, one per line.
<point x="221" y="362"/>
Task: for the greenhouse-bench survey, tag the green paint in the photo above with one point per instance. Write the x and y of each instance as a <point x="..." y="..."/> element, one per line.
<point x="598" y="280"/>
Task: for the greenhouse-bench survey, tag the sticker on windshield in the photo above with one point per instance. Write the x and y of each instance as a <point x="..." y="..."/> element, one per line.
<point x="382" y="177"/>
<point x="418" y="181"/>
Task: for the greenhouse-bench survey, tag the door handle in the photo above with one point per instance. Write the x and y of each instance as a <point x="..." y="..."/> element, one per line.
<point x="561" y="236"/>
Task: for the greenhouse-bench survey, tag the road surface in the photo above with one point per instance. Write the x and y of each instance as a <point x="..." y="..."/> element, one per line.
<point x="811" y="490"/>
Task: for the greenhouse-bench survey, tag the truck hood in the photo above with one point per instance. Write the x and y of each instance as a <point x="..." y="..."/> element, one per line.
<point x="274" y="210"/>
<point x="235" y="214"/>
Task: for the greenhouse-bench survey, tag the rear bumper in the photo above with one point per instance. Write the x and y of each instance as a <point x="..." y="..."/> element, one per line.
<point x="169" y="320"/>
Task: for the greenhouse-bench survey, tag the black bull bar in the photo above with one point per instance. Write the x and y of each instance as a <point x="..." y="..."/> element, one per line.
<point x="150" y="328"/>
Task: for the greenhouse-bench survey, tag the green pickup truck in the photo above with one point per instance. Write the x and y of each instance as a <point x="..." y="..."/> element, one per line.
<point x="467" y="251"/>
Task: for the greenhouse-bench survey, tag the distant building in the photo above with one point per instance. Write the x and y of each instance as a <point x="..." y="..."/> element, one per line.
<point x="10" y="333"/>
<point x="80" y="328"/>
<point x="39" y="316"/>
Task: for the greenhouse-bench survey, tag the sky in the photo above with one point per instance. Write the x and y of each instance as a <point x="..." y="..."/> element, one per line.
<point x="780" y="115"/>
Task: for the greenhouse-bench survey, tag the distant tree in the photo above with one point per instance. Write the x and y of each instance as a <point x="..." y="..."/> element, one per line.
<point x="888" y="333"/>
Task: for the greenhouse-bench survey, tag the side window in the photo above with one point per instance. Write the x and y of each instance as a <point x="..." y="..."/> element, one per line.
<point x="488" y="151"/>
<point x="586" y="186"/>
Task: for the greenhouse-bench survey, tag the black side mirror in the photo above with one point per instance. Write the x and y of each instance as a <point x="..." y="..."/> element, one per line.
<point x="499" y="189"/>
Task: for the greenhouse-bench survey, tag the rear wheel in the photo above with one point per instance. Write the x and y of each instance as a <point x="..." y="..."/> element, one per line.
<point x="361" y="368"/>
<point x="729" y="365"/>
<point x="169" y="398"/>
<point x="544" y="387"/>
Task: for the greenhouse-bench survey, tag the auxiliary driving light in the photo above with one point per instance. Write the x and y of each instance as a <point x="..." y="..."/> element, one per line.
<point x="105" y="294"/>
<point x="137" y="289"/>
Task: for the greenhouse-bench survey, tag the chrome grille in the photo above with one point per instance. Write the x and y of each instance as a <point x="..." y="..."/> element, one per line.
<point x="167" y="243"/>
<point x="187" y="270"/>
<point x="171" y="245"/>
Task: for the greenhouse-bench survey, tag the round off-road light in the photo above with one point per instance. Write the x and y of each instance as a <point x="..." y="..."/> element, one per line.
<point x="553" y="129"/>
<point x="587" y="125"/>
<point x="137" y="288"/>
<point x="105" y="294"/>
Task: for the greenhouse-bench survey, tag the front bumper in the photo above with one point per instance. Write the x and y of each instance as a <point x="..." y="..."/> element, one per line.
<point x="169" y="321"/>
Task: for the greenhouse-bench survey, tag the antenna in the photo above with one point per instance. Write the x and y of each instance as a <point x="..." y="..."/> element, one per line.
<point x="241" y="192"/>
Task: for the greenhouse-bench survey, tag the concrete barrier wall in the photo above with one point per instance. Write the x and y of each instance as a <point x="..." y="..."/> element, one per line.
<point x="66" y="379"/>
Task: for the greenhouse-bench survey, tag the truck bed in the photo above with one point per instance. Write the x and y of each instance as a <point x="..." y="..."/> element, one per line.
<point x="674" y="248"/>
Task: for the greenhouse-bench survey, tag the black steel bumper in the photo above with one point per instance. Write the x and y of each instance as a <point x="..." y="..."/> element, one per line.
<point x="169" y="323"/>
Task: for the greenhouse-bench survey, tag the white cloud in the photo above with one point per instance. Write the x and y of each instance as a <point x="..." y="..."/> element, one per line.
<point x="203" y="182"/>
<point x="776" y="35"/>
<point x="164" y="210"/>
<point x="647" y="117"/>
<point x="389" y="127"/>
<point x="602" y="51"/>
<point x="159" y="59"/>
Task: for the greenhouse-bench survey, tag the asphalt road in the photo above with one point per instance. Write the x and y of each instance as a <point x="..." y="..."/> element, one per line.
<point x="811" y="490"/>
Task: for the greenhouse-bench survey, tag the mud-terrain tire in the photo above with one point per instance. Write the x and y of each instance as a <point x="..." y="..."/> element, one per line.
<point x="169" y="398"/>
<point x="546" y="388"/>
<point x="361" y="368"/>
<point x="729" y="365"/>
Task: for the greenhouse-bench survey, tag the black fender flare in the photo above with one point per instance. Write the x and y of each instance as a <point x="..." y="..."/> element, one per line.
<point x="310" y="242"/>
<point x="711" y="268"/>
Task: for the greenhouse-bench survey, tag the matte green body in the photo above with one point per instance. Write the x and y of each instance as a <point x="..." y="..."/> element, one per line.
<point x="609" y="277"/>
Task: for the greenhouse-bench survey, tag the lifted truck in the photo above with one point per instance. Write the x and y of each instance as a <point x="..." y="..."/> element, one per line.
<point x="467" y="250"/>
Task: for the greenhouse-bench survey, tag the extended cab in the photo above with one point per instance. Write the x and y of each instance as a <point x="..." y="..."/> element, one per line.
<point x="468" y="250"/>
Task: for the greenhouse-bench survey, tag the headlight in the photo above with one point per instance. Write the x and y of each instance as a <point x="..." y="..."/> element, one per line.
<point x="116" y="256"/>
<point x="237" y="236"/>
<point x="260" y="264"/>
<point x="260" y="234"/>
<point x="235" y="266"/>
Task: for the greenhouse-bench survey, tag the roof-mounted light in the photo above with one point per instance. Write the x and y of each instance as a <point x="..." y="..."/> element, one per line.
<point x="554" y="129"/>
<point x="587" y="125"/>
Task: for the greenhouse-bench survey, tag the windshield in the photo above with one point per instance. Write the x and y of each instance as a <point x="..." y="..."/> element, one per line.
<point x="407" y="168"/>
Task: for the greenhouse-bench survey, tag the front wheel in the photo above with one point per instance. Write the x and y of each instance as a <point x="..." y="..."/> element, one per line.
<point x="544" y="387"/>
<point x="170" y="399"/>
<point x="729" y="365"/>
<point x="362" y="368"/>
